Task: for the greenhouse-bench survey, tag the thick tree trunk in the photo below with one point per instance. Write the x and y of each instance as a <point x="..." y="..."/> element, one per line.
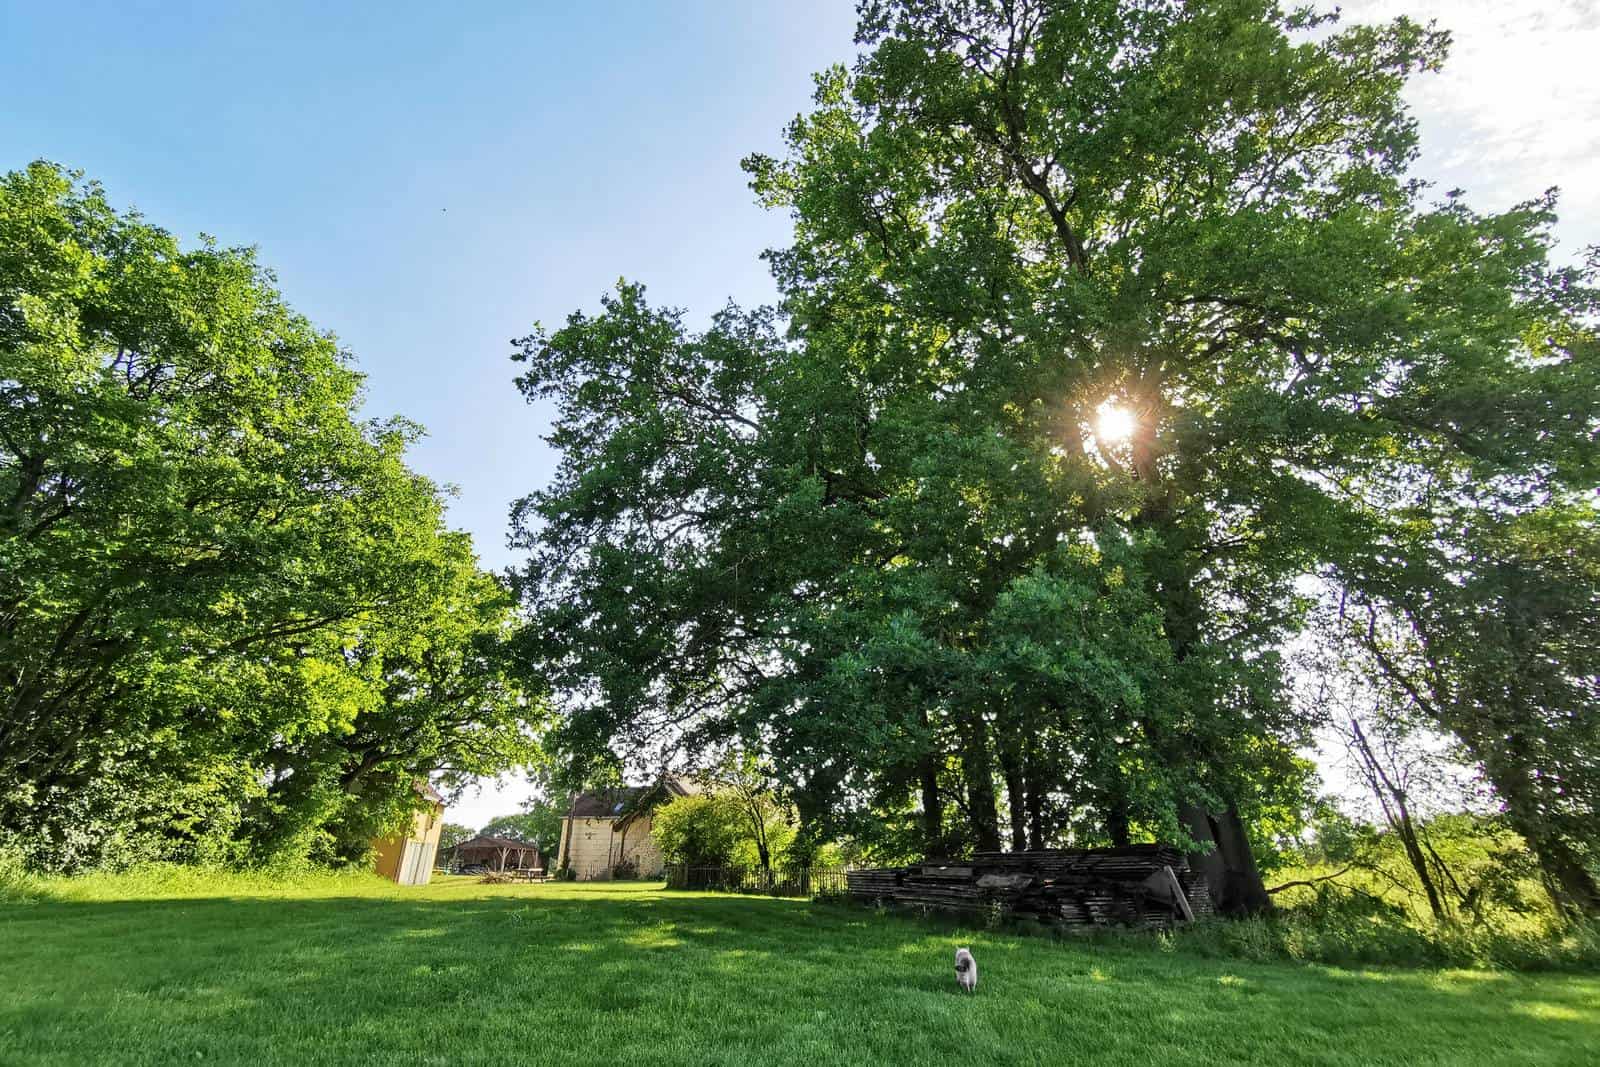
<point x="1035" y="817"/>
<point x="932" y="810"/>
<point x="1226" y="861"/>
<point x="1016" y="802"/>
<point x="985" y="812"/>
<point x="812" y="830"/>
<point x="1567" y="880"/>
<point x="1246" y="891"/>
<point x="1571" y="887"/>
<point x="978" y="771"/>
<point x="1225" y="857"/>
<point x="1117" y="820"/>
<point x="1036" y="796"/>
<point x="1206" y="859"/>
<point x="932" y="802"/>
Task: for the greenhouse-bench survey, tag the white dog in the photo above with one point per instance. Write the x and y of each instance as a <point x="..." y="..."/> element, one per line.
<point x="966" y="970"/>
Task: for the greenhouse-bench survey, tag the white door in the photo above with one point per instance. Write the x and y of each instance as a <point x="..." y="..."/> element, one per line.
<point x="421" y="863"/>
<point x="408" y="851"/>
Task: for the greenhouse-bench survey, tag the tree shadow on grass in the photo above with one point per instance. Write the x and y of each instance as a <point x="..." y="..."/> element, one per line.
<point x="645" y="976"/>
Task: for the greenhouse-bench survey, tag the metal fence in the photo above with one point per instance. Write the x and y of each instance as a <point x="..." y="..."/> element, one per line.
<point x="778" y="882"/>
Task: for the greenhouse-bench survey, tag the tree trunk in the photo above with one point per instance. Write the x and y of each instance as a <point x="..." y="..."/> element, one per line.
<point x="1035" y="801"/>
<point x="564" y="850"/>
<point x="1206" y="859"/>
<point x="1567" y="880"/>
<point x="811" y="805"/>
<point x="1016" y="802"/>
<point x="978" y="771"/>
<point x="622" y="849"/>
<point x="1225" y="861"/>
<point x="1572" y="889"/>
<point x="1117" y="820"/>
<point x="1397" y="813"/>
<point x="1419" y="864"/>
<point x="1247" y="892"/>
<point x="932" y="809"/>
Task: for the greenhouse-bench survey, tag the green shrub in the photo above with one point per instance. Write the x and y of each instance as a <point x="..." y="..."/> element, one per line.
<point x="17" y="883"/>
<point x="701" y="830"/>
<point x="1343" y="929"/>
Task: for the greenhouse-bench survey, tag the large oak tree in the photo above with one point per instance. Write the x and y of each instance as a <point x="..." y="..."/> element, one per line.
<point x="1104" y="325"/>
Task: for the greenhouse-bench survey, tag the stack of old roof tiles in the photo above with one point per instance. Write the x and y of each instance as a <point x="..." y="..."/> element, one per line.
<point x="1139" y="885"/>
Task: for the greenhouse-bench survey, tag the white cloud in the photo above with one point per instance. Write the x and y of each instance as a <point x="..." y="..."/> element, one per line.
<point x="491" y="798"/>
<point x="1517" y="107"/>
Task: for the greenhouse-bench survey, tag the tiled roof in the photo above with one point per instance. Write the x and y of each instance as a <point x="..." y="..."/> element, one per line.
<point x="481" y="841"/>
<point x="619" y="801"/>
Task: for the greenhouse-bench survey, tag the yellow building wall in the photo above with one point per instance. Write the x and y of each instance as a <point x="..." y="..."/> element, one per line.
<point x="389" y="850"/>
<point x="426" y="826"/>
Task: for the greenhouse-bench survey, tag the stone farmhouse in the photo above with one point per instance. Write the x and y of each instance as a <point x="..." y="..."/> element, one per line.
<point x="609" y="828"/>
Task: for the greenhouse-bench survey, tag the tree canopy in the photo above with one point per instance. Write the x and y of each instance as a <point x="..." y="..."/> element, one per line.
<point x="233" y="625"/>
<point x="1106" y="328"/>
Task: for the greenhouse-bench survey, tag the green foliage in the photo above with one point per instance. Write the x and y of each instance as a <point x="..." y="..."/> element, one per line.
<point x="703" y="830"/>
<point x="232" y="625"/>
<point x="883" y="536"/>
<point x="1491" y="638"/>
<point x="1344" y="930"/>
<point x="1485" y="876"/>
<point x="1351" y="897"/>
<point x="17" y="883"/>
<point x="540" y="823"/>
<point x="452" y="834"/>
<point x="736" y="820"/>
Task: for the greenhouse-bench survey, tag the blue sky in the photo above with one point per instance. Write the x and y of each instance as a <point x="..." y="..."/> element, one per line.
<point x="428" y="185"/>
<point x="430" y="180"/>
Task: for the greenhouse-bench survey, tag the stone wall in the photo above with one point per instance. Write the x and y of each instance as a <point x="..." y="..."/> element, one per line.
<point x="640" y="847"/>
<point x="592" y="847"/>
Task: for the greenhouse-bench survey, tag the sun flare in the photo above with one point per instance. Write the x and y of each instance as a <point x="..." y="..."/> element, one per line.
<point x="1114" y="423"/>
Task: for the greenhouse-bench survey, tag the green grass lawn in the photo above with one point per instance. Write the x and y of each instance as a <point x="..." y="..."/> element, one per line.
<point x="353" y="970"/>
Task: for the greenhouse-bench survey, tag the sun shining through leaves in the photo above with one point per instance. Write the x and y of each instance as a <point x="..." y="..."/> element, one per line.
<point x="1114" y="423"/>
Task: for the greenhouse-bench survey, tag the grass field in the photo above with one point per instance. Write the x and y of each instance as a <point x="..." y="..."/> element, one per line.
<point x="190" y="968"/>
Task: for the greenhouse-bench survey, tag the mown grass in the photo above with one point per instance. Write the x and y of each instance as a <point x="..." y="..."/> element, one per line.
<point x="170" y="968"/>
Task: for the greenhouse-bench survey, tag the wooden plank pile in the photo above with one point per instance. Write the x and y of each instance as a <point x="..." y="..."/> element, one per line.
<point x="1142" y="885"/>
<point x="873" y="884"/>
